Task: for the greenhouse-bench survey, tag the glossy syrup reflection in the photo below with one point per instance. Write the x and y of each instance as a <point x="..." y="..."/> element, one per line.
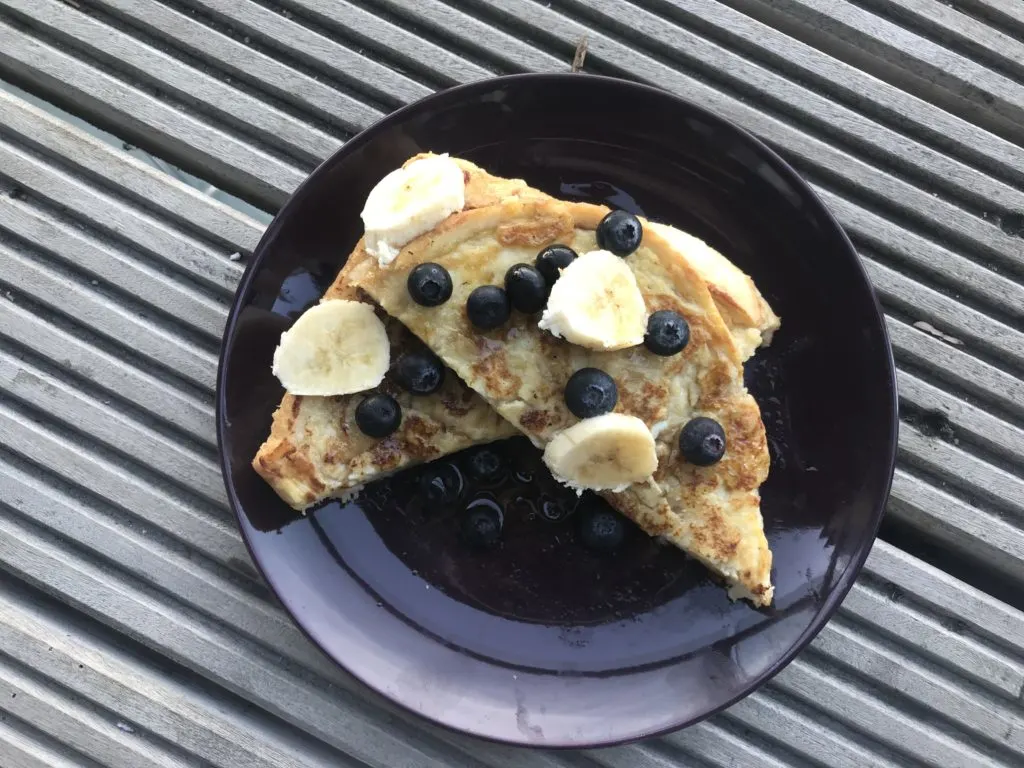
<point x="300" y="290"/>
<point x="539" y="572"/>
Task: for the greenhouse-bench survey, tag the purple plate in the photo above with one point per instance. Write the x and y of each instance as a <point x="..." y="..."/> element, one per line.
<point x="541" y="641"/>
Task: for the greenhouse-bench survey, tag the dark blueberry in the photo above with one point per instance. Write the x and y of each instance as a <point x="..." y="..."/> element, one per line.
<point x="440" y="484"/>
<point x="601" y="529"/>
<point x="430" y="284"/>
<point x="481" y="525"/>
<point x="667" y="333"/>
<point x="620" y="232"/>
<point x="526" y="288"/>
<point x="488" y="307"/>
<point x="591" y="392"/>
<point x="421" y="373"/>
<point x="552" y="260"/>
<point x="555" y="510"/>
<point x="378" y="415"/>
<point x="702" y="441"/>
<point x="486" y="465"/>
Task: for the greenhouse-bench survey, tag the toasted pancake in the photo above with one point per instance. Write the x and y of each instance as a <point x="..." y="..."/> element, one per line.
<point x="315" y="451"/>
<point x="741" y="305"/>
<point x="747" y="315"/>
<point x="712" y="512"/>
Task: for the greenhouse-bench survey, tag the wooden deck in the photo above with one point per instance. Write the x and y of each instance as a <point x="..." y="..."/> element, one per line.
<point x="134" y="632"/>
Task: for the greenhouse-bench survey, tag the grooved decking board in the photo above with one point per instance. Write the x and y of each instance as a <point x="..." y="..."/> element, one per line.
<point x="135" y="631"/>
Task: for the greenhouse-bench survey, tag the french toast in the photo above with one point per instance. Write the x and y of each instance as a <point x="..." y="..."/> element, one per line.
<point x="712" y="512"/>
<point x="314" y="452"/>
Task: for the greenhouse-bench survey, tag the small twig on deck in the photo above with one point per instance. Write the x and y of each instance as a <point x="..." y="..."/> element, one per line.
<point x="580" y="55"/>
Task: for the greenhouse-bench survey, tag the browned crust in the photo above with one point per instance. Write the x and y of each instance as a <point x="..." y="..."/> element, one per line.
<point x="283" y="464"/>
<point x="680" y="502"/>
<point x="679" y="493"/>
<point x="455" y="417"/>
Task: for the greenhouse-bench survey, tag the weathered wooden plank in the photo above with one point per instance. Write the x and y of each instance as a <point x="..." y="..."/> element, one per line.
<point x="986" y="485"/>
<point x="80" y="727"/>
<point x="147" y="119"/>
<point x="894" y="671"/>
<point x="115" y="378"/>
<point x="244" y="63"/>
<point x="947" y="362"/>
<point x="1008" y="13"/>
<point x="440" y="65"/>
<point x="934" y="641"/>
<point x="952" y="29"/>
<point x="902" y="56"/>
<point x="25" y="747"/>
<point x="131" y="178"/>
<point x="974" y="329"/>
<point x="948" y="598"/>
<point x="206" y="531"/>
<point x="64" y="294"/>
<point x="347" y="66"/>
<point x="961" y="528"/>
<point x="111" y="427"/>
<point x="910" y="132"/>
<point x="981" y="427"/>
<point x="210" y="728"/>
<point x="804" y="729"/>
<point x="923" y="254"/>
<point x="104" y="261"/>
<point x="121" y="221"/>
<point x="838" y="694"/>
<point x="245" y="114"/>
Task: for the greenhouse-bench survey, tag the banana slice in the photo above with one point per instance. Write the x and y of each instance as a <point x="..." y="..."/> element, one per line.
<point x="335" y="348"/>
<point x="410" y="201"/>
<point x="605" y="453"/>
<point x="597" y="304"/>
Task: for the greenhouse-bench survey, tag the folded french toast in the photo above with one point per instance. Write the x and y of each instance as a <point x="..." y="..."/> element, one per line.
<point x="315" y="450"/>
<point x="613" y="343"/>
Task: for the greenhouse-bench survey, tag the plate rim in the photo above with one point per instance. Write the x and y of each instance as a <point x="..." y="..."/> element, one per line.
<point x="843" y="583"/>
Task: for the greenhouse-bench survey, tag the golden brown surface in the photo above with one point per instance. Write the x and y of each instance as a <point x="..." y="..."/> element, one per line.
<point x="316" y="451"/>
<point x="740" y="303"/>
<point x="713" y="512"/>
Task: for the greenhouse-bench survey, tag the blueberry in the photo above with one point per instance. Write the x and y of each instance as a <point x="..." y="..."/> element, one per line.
<point x="481" y="525"/>
<point x="552" y="260"/>
<point x="488" y="307"/>
<point x="526" y="288"/>
<point x="440" y="485"/>
<point x="378" y="415"/>
<point x="430" y="284"/>
<point x="667" y="333"/>
<point x="702" y="441"/>
<point x="486" y="465"/>
<point x="421" y="373"/>
<point x="601" y="529"/>
<point x="591" y="392"/>
<point x="620" y="232"/>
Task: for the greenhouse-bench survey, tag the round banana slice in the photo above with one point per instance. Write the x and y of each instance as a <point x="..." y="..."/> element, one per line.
<point x="335" y="348"/>
<point x="597" y="304"/>
<point x="410" y="201"/>
<point x="605" y="453"/>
